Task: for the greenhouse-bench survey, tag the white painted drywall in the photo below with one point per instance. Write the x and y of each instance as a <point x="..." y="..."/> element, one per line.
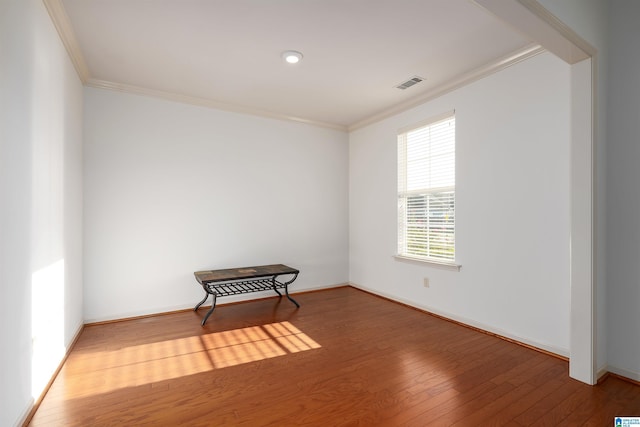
<point x="172" y="188"/>
<point x="512" y="206"/>
<point x="40" y="204"/>
<point x="623" y="180"/>
<point x="588" y="18"/>
<point x="611" y="26"/>
<point x="582" y="358"/>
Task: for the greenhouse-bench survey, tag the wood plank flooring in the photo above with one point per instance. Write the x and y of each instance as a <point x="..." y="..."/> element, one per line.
<point x="344" y="358"/>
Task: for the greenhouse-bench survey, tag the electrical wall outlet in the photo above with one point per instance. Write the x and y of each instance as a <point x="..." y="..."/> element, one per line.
<point x="426" y="282"/>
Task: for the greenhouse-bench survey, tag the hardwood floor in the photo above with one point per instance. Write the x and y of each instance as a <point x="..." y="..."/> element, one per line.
<point x="344" y="358"/>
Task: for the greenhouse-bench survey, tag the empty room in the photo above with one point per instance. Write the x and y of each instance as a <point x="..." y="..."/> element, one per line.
<point x="322" y="212"/>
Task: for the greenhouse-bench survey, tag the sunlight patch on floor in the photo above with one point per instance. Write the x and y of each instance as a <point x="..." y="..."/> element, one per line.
<point x="105" y="371"/>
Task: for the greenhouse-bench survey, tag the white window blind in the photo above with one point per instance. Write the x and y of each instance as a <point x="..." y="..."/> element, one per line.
<point x="426" y="191"/>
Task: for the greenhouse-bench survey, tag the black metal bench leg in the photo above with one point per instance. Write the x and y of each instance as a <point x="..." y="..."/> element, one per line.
<point x="213" y="307"/>
<point x="273" y="284"/>
<point x="286" y="290"/>
<point x="206" y="295"/>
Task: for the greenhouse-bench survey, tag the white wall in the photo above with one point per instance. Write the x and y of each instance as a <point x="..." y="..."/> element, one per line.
<point x="611" y="26"/>
<point x="588" y="18"/>
<point x="512" y="207"/>
<point x="623" y="178"/>
<point x="40" y="204"/>
<point x="172" y="188"/>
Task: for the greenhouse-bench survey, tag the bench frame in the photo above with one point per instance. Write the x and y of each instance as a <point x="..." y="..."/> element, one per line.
<point x="236" y="281"/>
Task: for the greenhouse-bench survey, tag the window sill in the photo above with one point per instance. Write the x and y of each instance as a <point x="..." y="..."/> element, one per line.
<point x="438" y="264"/>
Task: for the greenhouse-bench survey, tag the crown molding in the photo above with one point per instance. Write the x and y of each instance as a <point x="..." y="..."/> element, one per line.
<point x="453" y="84"/>
<point x="535" y="22"/>
<point x="62" y="23"/>
<point x="206" y="102"/>
<point x="581" y="48"/>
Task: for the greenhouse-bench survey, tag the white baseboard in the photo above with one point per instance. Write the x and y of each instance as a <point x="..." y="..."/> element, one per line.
<point x="24" y="414"/>
<point x="220" y="302"/>
<point x="601" y="372"/>
<point x="632" y="375"/>
<point x="36" y="402"/>
<point x="545" y="347"/>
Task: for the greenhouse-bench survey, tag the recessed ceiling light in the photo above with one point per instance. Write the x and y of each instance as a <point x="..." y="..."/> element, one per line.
<point x="292" y="56"/>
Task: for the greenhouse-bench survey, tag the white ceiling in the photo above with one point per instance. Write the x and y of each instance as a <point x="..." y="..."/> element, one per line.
<point x="228" y="52"/>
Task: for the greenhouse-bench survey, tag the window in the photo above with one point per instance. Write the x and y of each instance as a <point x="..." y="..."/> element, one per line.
<point x="426" y="190"/>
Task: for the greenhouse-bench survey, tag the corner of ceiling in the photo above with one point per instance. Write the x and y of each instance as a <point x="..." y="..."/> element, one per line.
<point x="63" y="25"/>
<point x="530" y="18"/>
<point x="61" y="21"/>
<point x="454" y="83"/>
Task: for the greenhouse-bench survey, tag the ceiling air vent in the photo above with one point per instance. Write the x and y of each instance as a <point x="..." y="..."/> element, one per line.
<point x="412" y="81"/>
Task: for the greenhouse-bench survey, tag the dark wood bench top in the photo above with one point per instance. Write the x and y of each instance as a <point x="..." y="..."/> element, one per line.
<point x="211" y="276"/>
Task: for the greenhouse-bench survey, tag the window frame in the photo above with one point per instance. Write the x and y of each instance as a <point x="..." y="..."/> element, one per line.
<point x="438" y="186"/>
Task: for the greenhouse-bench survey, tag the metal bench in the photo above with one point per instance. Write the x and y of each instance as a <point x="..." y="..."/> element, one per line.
<point x="236" y="281"/>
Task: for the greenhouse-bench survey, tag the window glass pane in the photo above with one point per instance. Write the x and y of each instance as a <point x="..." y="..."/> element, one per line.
<point x="426" y="191"/>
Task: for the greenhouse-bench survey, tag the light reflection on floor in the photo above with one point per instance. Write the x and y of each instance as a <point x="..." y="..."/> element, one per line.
<point x="99" y="372"/>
